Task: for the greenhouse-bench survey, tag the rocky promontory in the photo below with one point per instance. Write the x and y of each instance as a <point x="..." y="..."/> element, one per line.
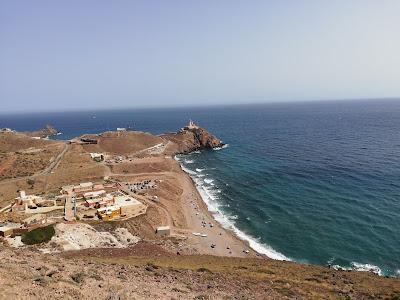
<point x="191" y="138"/>
<point x="47" y="131"/>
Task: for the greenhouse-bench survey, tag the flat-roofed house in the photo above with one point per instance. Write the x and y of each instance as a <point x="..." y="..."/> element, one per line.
<point x="7" y="229"/>
<point x="94" y="194"/>
<point x="23" y="201"/>
<point x="100" y="201"/>
<point x="163" y="231"/>
<point x="35" y="220"/>
<point x="109" y="212"/>
<point x="129" y="205"/>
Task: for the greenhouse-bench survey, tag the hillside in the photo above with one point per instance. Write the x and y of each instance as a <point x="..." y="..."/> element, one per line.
<point x="146" y="271"/>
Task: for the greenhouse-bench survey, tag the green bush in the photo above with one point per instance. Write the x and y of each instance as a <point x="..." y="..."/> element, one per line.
<point x="38" y="235"/>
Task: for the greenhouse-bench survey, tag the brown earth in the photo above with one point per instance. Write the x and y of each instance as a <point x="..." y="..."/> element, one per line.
<point x="146" y="271"/>
<point x="122" y="143"/>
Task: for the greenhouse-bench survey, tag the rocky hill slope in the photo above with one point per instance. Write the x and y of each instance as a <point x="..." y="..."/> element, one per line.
<point x="192" y="139"/>
<point x="146" y="271"/>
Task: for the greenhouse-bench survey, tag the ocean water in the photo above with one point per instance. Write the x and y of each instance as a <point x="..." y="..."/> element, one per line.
<point x="316" y="183"/>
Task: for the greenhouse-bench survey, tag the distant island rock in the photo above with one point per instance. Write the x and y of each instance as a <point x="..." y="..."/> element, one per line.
<point x="47" y="131"/>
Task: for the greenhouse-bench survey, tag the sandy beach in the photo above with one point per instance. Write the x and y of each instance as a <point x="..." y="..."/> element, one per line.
<point x="200" y="220"/>
<point x="181" y="207"/>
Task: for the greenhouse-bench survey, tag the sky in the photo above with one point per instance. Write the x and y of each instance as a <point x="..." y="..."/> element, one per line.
<point x="69" y="55"/>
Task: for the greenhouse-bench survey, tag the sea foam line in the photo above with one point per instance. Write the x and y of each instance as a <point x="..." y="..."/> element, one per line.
<point x="227" y="222"/>
<point x="355" y="266"/>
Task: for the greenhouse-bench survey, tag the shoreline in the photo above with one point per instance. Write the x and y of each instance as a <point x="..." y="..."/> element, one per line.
<point x="260" y="249"/>
<point x="200" y="221"/>
<point x="227" y="225"/>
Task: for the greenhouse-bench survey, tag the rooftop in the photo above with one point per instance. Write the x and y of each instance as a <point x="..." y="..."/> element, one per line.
<point x="125" y="201"/>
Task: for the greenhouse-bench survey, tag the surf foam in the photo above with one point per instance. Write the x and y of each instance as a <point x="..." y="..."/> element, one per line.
<point x="355" y="266"/>
<point x="366" y="268"/>
<point x="210" y="197"/>
<point x="220" y="148"/>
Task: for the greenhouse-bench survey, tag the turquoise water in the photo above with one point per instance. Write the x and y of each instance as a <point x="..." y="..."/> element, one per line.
<point x="311" y="182"/>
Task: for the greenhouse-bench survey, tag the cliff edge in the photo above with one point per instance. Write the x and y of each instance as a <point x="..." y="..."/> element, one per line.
<point x="191" y="138"/>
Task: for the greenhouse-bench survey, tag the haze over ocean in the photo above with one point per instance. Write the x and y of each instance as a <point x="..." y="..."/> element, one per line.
<point x="315" y="182"/>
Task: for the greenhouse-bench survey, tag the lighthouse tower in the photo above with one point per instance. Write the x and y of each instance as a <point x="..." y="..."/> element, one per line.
<point x="191" y="125"/>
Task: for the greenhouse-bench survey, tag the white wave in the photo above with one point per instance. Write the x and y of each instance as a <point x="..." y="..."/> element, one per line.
<point x="197" y="151"/>
<point x="366" y="268"/>
<point x="397" y="272"/>
<point x="188" y="170"/>
<point x="220" y="148"/>
<point x="199" y="170"/>
<point x="189" y="161"/>
<point x="201" y="175"/>
<point x="337" y="267"/>
<point x="210" y="197"/>
<point x="357" y="267"/>
<point x="208" y="180"/>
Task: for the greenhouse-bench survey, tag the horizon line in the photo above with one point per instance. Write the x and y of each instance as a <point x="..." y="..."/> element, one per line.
<point x="157" y="107"/>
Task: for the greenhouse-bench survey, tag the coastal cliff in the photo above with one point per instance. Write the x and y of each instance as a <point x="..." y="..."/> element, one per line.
<point x="191" y="138"/>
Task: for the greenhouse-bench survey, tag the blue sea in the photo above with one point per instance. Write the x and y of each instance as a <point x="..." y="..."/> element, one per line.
<point x="312" y="182"/>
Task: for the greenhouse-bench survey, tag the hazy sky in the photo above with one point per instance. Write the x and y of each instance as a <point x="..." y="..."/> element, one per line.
<point x="57" y="55"/>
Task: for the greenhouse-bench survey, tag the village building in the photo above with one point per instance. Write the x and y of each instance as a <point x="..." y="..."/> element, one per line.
<point x="163" y="231"/>
<point x="97" y="156"/>
<point x="81" y="188"/>
<point x="35" y="220"/>
<point x="107" y="200"/>
<point x="8" y="229"/>
<point x="122" y="205"/>
<point x="109" y="212"/>
<point x="94" y="194"/>
<point x="23" y="202"/>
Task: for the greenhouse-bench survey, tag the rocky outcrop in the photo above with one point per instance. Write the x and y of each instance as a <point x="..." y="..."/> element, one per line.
<point x="192" y="139"/>
<point x="204" y="139"/>
<point x="48" y="130"/>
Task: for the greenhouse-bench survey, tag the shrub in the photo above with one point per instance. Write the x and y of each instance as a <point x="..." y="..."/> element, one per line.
<point x="38" y="235"/>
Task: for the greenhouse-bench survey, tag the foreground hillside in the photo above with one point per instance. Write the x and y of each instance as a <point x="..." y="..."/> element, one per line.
<point x="146" y="271"/>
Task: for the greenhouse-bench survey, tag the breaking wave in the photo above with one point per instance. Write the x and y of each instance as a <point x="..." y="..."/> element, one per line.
<point x="220" y="148"/>
<point x="210" y="196"/>
<point x="366" y="268"/>
<point x="208" y="180"/>
<point x="355" y="266"/>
